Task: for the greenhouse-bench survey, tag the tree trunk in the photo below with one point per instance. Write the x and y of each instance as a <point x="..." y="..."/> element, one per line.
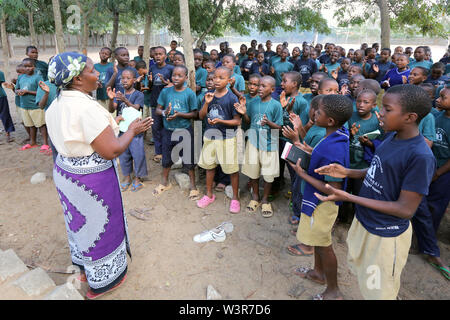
<point x="43" y="42"/>
<point x="147" y="31"/>
<point x="385" y="24"/>
<point x="32" y="31"/>
<point x="5" y="46"/>
<point x="60" y="45"/>
<point x="115" y="30"/>
<point x="187" y="41"/>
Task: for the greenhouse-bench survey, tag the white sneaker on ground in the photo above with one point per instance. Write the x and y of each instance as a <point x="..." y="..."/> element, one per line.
<point x="227" y="226"/>
<point x="217" y="235"/>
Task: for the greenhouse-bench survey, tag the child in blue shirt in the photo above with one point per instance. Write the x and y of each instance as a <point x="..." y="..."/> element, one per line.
<point x="246" y="64"/>
<point x="418" y="75"/>
<point x="113" y="78"/>
<point x="381" y="66"/>
<point x="264" y="114"/>
<point x="259" y="66"/>
<point x="318" y="217"/>
<point x="306" y="66"/>
<point x="200" y="72"/>
<point x="419" y="59"/>
<point x="394" y="185"/>
<point x="228" y="61"/>
<point x="341" y="73"/>
<point x="177" y="105"/>
<point x="277" y="70"/>
<point x="41" y="67"/>
<point x="428" y="217"/>
<point x="397" y="75"/>
<point x="332" y="65"/>
<point x="134" y="155"/>
<point x="437" y="77"/>
<point x="102" y="68"/>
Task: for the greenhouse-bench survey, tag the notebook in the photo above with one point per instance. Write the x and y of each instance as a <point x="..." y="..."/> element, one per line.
<point x="129" y="114"/>
<point x="373" y="134"/>
<point x="293" y="153"/>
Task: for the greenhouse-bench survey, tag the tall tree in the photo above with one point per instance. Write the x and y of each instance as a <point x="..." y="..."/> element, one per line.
<point x="60" y="45"/>
<point x="147" y="30"/>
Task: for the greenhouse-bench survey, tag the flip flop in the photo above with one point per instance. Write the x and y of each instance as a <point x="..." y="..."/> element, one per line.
<point x="294" y="220"/>
<point x="137" y="187"/>
<point x="219" y="189"/>
<point x="45" y="148"/>
<point x="194" y="195"/>
<point x="90" y="295"/>
<point x="252" y="206"/>
<point x="297" y="247"/>
<point x="28" y="146"/>
<point x="124" y="186"/>
<point x="444" y="271"/>
<point x="266" y="210"/>
<point x="160" y="189"/>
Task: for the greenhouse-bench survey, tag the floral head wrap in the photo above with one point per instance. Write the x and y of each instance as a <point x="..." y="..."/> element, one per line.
<point x="64" y="67"/>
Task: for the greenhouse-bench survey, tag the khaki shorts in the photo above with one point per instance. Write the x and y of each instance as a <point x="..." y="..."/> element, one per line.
<point x="223" y="152"/>
<point x="146" y="112"/>
<point x="19" y="114"/>
<point x="377" y="261"/>
<point x="33" y="117"/>
<point x="319" y="233"/>
<point x="261" y="163"/>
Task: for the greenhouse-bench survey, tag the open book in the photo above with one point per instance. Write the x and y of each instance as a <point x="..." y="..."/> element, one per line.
<point x="373" y="134"/>
<point x="293" y="153"/>
<point x="129" y="114"/>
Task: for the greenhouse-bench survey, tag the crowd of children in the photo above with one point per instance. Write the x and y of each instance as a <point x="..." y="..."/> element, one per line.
<point x="378" y="160"/>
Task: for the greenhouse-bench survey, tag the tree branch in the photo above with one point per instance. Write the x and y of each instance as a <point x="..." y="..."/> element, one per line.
<point x="211" y="25"/>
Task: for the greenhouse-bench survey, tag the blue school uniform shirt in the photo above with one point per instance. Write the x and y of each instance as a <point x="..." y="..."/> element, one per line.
<point x="441" y="145"/>
<point x="274" y="59"/>
<point x="280" y="68"/>
<point x="314" y="135"/>
<point x="247" y="64"/>
<point x="222" y="108"/>
<point x="136" y="97"/>
<point x="443" y="80"/>
<point x="268" y="55"/>
<point x="331" y="67"/>
<point x="356" y="149"/>
<point x="424" y="63"/>
<point x="262" y="137"/>
<point x="395" y="77"/>
<point x="264" y="68"/>
<point x="427" y="127"/>
<point x="324" y="58"/>
<point x="200" y="77"/>
<point x="306" y="67"/>
<point x="248" y="99"/>
<point x="241" y="57"/>
<point x="157" y="84"/>
<point x="397" y="165"/>
<point x="239" y="84"/>
<point x="383" y="68"/>
<point x="182" y="101"/>
<point x="41" y="68"/>
<point x="102" y="70"/>
<point x="118" y="82"/>
<point x="342" y="78"/>
<point x="300" y="108"/>
<point x="51" y="95"/>
<point x="31" y="83"/>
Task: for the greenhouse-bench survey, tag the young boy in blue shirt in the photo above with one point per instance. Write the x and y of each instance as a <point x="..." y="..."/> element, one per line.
<point x="419" y="59"/>
<point x="102" y="68"/>
<point x="428" y="217"/>
<point x="247" y="63"/>
<point x="160" y="75"/>
<point x="177" y="105"/>
<point x="264" y="114"/>
<point x="113" y="78"/>
<point x="228" y="61"/>
<point x="259" y="66"/>
<point x="41" y="67"/>
<point x="140" y="55"/>
<point x="220" y="144"/>
<point x="134" y="155"/>
<point x="437" y="77"/>
<point x="200" y="72"/>
<point x="394" y="185"/>
<point x="318" y="217"/>
<point x="332" y="65"/>
<point x="306" y="66"/>
<point x="381" y="66"/>
<point x="278" y="69"/>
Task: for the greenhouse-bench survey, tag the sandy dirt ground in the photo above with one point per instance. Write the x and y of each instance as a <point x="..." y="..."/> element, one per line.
<point x="252" y="263"/>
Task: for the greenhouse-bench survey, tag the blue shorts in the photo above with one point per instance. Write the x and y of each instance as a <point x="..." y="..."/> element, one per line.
<point x="186" y="147"/>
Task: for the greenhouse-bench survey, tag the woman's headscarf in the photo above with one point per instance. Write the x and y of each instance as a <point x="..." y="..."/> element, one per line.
<point x="64" y="67"/>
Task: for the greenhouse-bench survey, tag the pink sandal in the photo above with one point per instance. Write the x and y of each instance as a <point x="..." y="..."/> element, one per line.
<point x="45" y="148"/>
<point x="205" y="201"/>
<point x="235" y="206"/>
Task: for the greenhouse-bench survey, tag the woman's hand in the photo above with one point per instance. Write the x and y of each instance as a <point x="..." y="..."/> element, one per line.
<point x="138" y="126"/>
<point x="333" y="170"/>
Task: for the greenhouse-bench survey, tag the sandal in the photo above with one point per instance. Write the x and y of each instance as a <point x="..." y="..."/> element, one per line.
<point x="252" y="206"/>
<point x="444" y="271"/>
<point x="220" y="187"/>
<point x="302" y="272"/>
<point x="297" y="248"/>
<point x="235" y="206"/>
<point x="137" y="187"/>
<point x="266" y="210"/>
<point x="294" y="220"/>
<point x="91" y="295"/>
<point x="141" y="214"/>
<point x="205" y="201"/>
<point x="45" y="148"/>
<point x="194" y="195"/>
<point x="124" y="186"/>
<point x="28" y="146"/>
<point x="157" y="158"/>
<point x="160" y="189"/>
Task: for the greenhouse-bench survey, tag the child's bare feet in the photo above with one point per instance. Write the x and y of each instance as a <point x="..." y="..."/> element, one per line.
<point x="329" y="295"/>
<point x="310" y="274"/>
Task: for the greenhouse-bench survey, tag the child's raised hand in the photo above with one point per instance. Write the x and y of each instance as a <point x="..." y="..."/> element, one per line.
<point x="290" y="133"/>
<point x="379" y="118"/>
<point x="290" y="105"/>
<point x="334" y="73"/>
<point x="344" y="89"/>
<point x="295" y="120"/>
<point x="209" y="96"/>
<point x="272" y="70"/>
<point x="386" y="83"/>
<point x="333" y="170"/>
<point x="111" y="93"/>
<point x="232" y="82"/>
<point x="404" y="79"/>
<point x="119" y="96"/>
<point x="241" y="109"/>
<point x="376" y="68"/>
<point x="168" y="110"/>
<point x="264" y="120"/>
<point x="354" y="129"/>
<point x="283" y="99"/>
<point x="44" y="87"/>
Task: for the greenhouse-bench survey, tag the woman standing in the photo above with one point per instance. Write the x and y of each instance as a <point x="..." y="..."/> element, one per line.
<point x="85" y="173"/>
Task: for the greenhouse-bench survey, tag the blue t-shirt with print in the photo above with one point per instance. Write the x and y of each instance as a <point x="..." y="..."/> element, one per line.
<point x="342" y="78"/>
<point x="262" y="137"/>
<point x="222" y="108"/>
<point x="30" y="83"/>
<point x="181" y="101"/>
<point x="397" y="165"/>
<point x="102" y="70"/>
<point x="157" y="84"/>
<point x="247" y="64"/>
<point x="200" y="77"/>
<point x="118" y="82"/>
<point x="280" y="68"/>
<point x="441" y="145"/>
<point x="331" y="67"/>
<point x="135" y="97"/>
<point x="51" y="95"/>
<point x="443" y="80"/>
<point x="306" y="67"/>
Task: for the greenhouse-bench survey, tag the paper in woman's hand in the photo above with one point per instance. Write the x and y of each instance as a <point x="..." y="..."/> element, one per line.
<point x="129" y="114"/>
